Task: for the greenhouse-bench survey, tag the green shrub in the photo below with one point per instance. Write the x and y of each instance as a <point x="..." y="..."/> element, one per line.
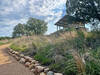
<point x="4" y="38"/>
<point x="43" y="59"/>
<point x="1" y="43"/>
<point x="4" y="42"/>
<point x="17" y="48"/>
<point x="92" y="68"/>
<point x="42" y="55"/>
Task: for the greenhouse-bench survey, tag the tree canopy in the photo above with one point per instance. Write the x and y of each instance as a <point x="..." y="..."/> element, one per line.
<point x="19" y="30"/>
<point x="84" y="9"/>
<point x="36" y="26"/>
<point x="33" y="26"/>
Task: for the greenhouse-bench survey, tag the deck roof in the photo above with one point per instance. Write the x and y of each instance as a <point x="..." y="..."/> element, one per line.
<point x="68" y="21"/>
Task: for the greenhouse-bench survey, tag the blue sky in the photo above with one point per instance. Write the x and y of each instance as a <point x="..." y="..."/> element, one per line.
<point x="13" y="12"/>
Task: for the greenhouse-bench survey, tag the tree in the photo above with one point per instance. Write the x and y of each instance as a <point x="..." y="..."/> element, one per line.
<point x="19" y="30"/>
<point x="84" y="9"/>
<point x="33" y="26"/>
<point x="36" y="26"/>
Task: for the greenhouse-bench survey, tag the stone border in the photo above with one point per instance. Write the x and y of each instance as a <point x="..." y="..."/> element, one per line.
<point x="33" y="65"/>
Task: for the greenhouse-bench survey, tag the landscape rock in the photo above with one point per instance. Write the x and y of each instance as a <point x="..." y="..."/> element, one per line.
<point x="31" y="66"/>
<point x="28" y="59"/>
<point x="10" y="50"/>
<point x="27" y="64"/>
<point x="33" y="61"/>
<point x="33" y="70"/>
<point x="13" y="55"/>
<point x="22" y="60"/>
<point x="13" y="52"/>
<point x="39" y="68"/>
<point x="46" y="69"/>
<point x="17" y="58"/>
<point x="17" y="53"/>
<point x="36" y="72"/>
<point x="37" y="64"/>
<point x="10" y="53"/>
<point x="42" y="73"/>
<point x="50" y="73"/>
<point x="22" y="55"/>
<point x="58" y="74"/>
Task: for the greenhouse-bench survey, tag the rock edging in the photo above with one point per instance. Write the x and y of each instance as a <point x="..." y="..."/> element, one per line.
<point x="33" y="65"/>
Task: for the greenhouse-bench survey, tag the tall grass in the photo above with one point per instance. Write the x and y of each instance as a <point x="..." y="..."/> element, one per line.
<point x="72" y="54"/>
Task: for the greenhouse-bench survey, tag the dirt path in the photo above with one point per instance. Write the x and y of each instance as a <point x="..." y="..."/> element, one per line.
<point x="9" y="66"/>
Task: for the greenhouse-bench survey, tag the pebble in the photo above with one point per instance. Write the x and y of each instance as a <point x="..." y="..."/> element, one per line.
<point x="27" y="64"/>
<point x="31" y="66"/>
<point x="39" y="68"/>
<point x="42" y="73"/>
<point x="58" y="74"/>
<point x="22" y="60"/>
<point x="50" y="73"/>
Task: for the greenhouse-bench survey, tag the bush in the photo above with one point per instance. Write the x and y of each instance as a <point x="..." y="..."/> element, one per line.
<point x="1" y="43"/>
<point x="92" y="68"/>
<point x="17" y="48"/>
<point x="42" y="55"/>
<point x="4" y="38"/>
<point x="43" y="59"/>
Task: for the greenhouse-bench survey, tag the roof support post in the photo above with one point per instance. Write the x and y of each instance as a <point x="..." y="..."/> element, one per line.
<point x="57" y="28"/>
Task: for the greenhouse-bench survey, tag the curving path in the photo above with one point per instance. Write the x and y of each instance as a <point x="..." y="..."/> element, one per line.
<point x="9" y="66"/>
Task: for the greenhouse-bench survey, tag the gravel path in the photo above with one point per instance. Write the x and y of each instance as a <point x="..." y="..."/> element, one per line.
<point x="9" y="66"/>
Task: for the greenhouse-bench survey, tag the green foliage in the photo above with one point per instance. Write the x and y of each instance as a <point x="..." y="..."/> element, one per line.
<point x="36" y="26"/>
<point x="65" y="67"/>
<point x="64" y="55"/>
<point x="4" y="42"/>
<point x="43" y="59"/>
<point x="19" y="30"/>
<point x="58" y="61"/>
<point x="84" y="9"/>
<point x="5" y="38"/>
<point x="33" y="26"/>
<point x="17" y="48"/>
<point x="78" y="43"/>
<point x="1" y="43"/>
<point x="42" y="55"/>
<point x="93" y="40"/>
<point x="93" y="68"/>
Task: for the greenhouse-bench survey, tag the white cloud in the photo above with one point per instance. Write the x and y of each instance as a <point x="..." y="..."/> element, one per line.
<point x="13" y="12"/>
<point x="46" y="8"/>
<point x="9" y="25"/>
<point x="12" y="6"/>
<point x="6" y="11"/>
<point x="8" y="22"/>
<point x="18" y="4"/>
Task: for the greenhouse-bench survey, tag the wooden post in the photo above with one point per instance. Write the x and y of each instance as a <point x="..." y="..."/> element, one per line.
<point x="57" y="28"/>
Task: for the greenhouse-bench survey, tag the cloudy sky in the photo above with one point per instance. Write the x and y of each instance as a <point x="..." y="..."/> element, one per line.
<point x="13" y="12"/>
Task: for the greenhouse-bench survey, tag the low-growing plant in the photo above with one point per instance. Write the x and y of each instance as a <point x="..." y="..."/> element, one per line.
<point x="1" y="43"/>
<point x="43" y="59"/>
<point x="17" y="48"/>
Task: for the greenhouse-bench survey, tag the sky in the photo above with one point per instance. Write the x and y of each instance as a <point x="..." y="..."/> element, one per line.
<point x="13" y="12"/>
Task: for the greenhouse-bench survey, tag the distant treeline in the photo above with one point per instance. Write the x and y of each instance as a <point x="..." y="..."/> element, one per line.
<point x="3" y="38"/>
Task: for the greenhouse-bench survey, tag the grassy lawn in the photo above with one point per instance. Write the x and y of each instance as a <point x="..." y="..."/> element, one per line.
<point x="2" y="43"/>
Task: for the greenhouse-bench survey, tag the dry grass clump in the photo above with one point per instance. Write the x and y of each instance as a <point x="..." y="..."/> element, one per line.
<point x="41" y="41"/>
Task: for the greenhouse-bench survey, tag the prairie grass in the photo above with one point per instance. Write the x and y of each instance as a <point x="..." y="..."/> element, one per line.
<point x="72" y="53"/>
